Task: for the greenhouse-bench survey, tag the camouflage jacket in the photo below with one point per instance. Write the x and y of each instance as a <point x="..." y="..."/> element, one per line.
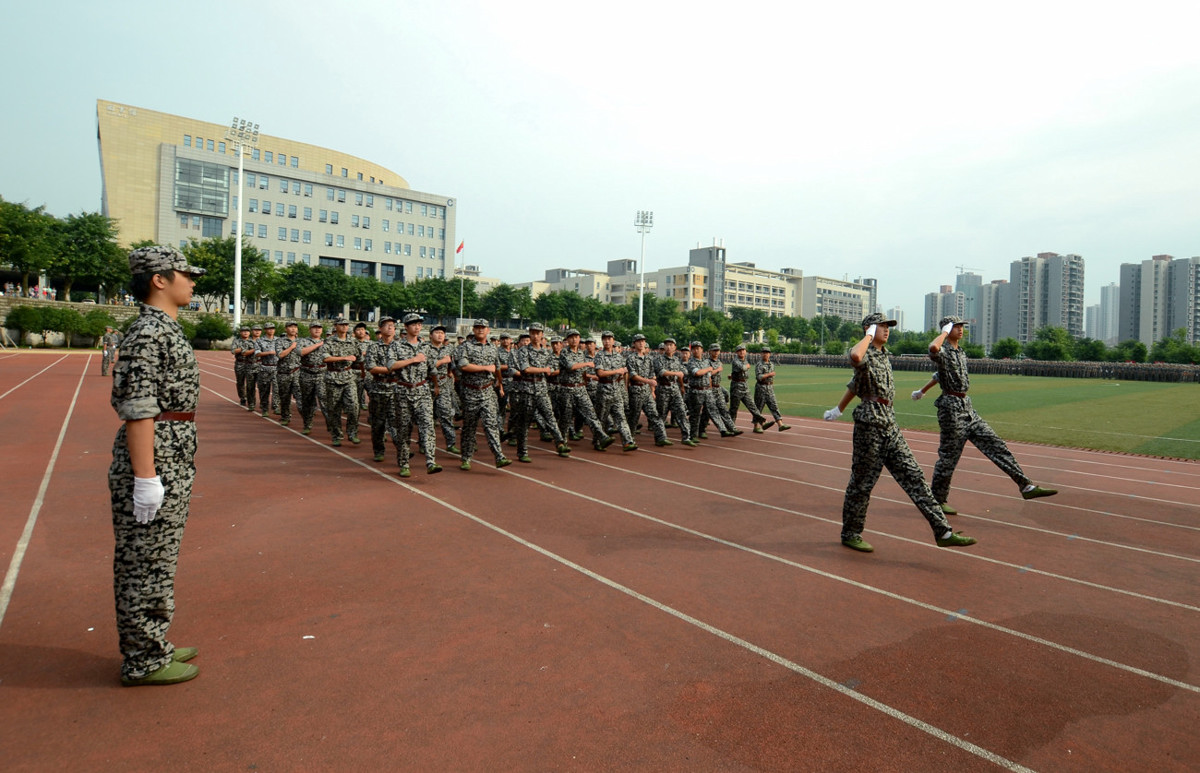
<point x="614" y="361"/>
<point x="379" y="355"/>
<point x="639" y="365"/>
<point x="566" y="359"/>
<point x="435" y="353"/>
<point x="291" y="360"/>
<point x="762" y="370"/>
<point x="474" y="353"/>
<point x="872" y="382"/>
<point x="157" y="371"/>
<point x="314" y="359"/>
<point x="402" y="349"/>
<point x="695" y="381"/>
<point x="739" y="372"/>
<point x="952" y="369"/>
<point x="715" y="377"/>
<point x="665" y="363"/>
<point x="339" y="372"/>
<point x="267" y="345"/>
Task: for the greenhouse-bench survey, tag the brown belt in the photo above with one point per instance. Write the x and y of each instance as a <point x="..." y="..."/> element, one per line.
<point x="289" y="371"/>
<point x="176" y="416"/>
<point x="311" y="369"/>
<point x="739" y="380"/>
<point x="611" y="379"/>
<point x="488" y="385"/>
<point x="880" y="400"/>
<point x="954" y="394"/>
<point x="422" y="382"/>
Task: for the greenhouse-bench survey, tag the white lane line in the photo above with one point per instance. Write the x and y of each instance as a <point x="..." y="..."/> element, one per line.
<point x="18" y="556"/>
<point x="35" y="375"/>
<point x="773" y="657"/>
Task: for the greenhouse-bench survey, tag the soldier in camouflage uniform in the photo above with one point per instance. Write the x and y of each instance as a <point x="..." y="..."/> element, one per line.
<point x="572" y="364"/>
<point x="441" y="359"/>
<point x="535" y="363"/>
<point x="720" y="397"/>
<point x="242" y="349"/>
<point x="111" y="342"/>
<point x="287" y="371"/>
<point x="670" y="375"/>
<point x="412" y="370"/>
<point x="701" y="403"/>
<point x="341" y="399"/>
<point x="959" y="422"/>
<point x="739" y="392"/>
<point x="591" y="382"/>
<point x="312" y="374"/>
<point x="478" y="364"/>
<point x="764" y="390"/>
<point x="382" y="388"/>
<point x="518" y="398"/>
<point x="503" y="397"/>
<point x="362" y="337"/>
<point x="251" y="356"/>
<point x="156" y="388"/>
<point x="264" y="351"/>
<point x="611" y="372"/>
<point x="640" y="367"/>
<point x="878" y="443"/>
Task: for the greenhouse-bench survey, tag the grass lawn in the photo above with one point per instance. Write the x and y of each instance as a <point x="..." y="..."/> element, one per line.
<point x="1141" y="417"/>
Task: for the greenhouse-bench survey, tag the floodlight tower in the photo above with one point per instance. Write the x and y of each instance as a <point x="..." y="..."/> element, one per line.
<point x="240" y="134"/>
<point x="643" y="223"/>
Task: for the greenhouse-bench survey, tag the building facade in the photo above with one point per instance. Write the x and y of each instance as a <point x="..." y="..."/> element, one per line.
<point x="1157" y="297"/>
<point x="944" y="303"/>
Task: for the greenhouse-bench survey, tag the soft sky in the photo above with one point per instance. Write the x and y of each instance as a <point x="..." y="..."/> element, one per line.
<point x="884" y="139"/>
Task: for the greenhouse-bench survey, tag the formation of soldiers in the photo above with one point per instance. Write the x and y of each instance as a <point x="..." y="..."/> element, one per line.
<point x="413" y="382"/>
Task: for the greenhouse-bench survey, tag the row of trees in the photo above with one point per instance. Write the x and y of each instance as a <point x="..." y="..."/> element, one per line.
<point x="55" y="318"/>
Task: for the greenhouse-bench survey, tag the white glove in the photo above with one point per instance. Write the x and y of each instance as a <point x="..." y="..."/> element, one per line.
<point x="871" y="331"/>
<point x="833" y="413"/>
<point x="917" y="395"/>
<point x="147" y="498"/>
<point x="946" y="328"/>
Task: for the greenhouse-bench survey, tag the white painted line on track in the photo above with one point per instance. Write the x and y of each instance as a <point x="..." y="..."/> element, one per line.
<point x="35" y="375"/>
<point x="18" y="556"/>
<point x="777" y="659"/>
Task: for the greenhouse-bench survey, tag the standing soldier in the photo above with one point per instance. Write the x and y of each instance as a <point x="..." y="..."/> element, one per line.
<point x="341" y="352"/>
<point x="670" y="376"/>
<point x="518" y="398"/>
<point x="242" y="350"/>
<point x="312" y="375"/>
<point x="764" y="390"/>
<point x="641" y="390"/>
<point x="412" y="370"/>
<point x="478" y="364"/>
<point x="440" y="353"/>
<point x="287" y="376"/>
<point x="878" y="443"/>
<point x="111" y="343"/>
<point x="611" y="371"/>
<point x="156" y="388"/>
<point x="381" y="385"/>
<point x="252" y="367"/>
<point x="739" y="392"/>
<point x="959" y="422"/>
<point x="505" y="354"/>
<point x="554" y="384"/>
<point x="267" y="360"/>
<point x="362" y="337"/>
<point x="572" y="364"/>
<point x="535" y="365"/>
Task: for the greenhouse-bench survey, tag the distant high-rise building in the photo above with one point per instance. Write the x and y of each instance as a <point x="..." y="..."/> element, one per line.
<point x="1110" y="306"/>
<point x="1046" y="291"/>
<point x="1091" y="321"/>
<point x="944" y="303"/>
<point x="873" y="286"/>
<point x="897" y="314"/>
<point x="971" y="287"/>
<point x="1157" y="297"/>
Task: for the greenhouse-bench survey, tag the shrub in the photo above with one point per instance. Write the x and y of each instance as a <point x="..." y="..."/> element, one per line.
<point x="213" y="328"/>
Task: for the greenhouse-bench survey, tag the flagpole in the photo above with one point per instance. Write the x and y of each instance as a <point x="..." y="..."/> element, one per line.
<point x="462" y="280"/>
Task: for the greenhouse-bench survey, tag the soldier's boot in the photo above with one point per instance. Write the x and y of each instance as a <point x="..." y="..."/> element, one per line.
<point x="453" y="449"/>
<point x="307" y="430"/>
<point x="379" y="456"/>
<point x="405" y="472"/>
<point x="758" y="429"/>
<point x="703" y="435"/>
<point x="433" y="468"/>
<point x="337" y="442"/>
<point x="172" y="673"/>
<point x="503" y="462"/>
<point x="466" y="465"/>
<point x="783" y="426"/>
<point x="948" y="510"/>
<point x="663" y="442"/>
<point x="564" y="449"/>
<point x="692" y="443"/>
<point x="630" y="446"/>
<point x="354" y="439"/>
<point x="768" y="424"/>
<point x="524" y="459"/>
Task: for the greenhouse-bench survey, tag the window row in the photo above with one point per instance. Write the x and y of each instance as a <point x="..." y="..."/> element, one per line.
<point x="256" y="154"/>
<point x="263" y="182"/>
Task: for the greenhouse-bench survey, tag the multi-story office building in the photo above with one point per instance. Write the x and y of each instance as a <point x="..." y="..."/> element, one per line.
<point x="971" y="287"/>
<point x="1109" y="314"/>
<point x="1044" y="291"/>
<point x="1157" y="297"/>
<point x="897" y="314"/>
<point x="174" y="179"/>
<point x="944" y="303"/>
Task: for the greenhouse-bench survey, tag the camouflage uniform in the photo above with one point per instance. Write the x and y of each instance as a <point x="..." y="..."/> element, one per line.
<point x="641" y="397"/>
<point x="340" y="398"/>
<point x="266" y="371"/>
<point x="764" y="391"/>
<point x="612" y="407"/>
<point x="720" y="397"/>
<point x="360" y="373"/>
<point x="443" y="399"/>
<point x="252" y="370"/>
<point x="479" y="399"/>
<point x="312" y="381"/>
<point x="878" y="443"/>
<point x="537" y="396"/>
<point x="157" y="374"/>
<point x="574" y="396"/>
<point x="414" y="401"/>
<point x="287" y="376"/>
<point x="959" y="423"/>
<point x="111" y="342"/>
<point x="668" y="387"/>
<point x="242" y="349"/>
<point x="739" y="393"/>
<point x="702" y="405"/>
<point x="382" y="408"/>
<point x="506" y="378"/>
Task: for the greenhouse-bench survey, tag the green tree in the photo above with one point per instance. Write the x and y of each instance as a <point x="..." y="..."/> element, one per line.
<point x="1050" y="343"/>
<point x="500" y="303"/>
<point x="1006" y="349"/>
<point x="330" y="289"/>
<point x="395" y="299"/>
<point x="1175" y="349"/>
<point x="216" y="256"/>
<point x="87" y="249"/>
<point x="26" y="319"/>
<point x="550" y="308"/>
<point x="1128" y="351"/>
<point x="213" y="327"/>
<point x="731" y="334"/>
<point x="260" y="279"/>
<point x="364" y="292"/>
<point x="27" y="239"/>
<point x="1090" y="350"/>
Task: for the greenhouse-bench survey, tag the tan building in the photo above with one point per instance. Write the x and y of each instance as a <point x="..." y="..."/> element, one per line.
<point x="473" y="274"/>
<point x="174" y="179"/>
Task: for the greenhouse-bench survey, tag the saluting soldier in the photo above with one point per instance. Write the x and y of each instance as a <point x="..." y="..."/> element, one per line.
<point x="535" y="363"/>
<point x="959" y="422"/>
<point x="111" y="342"/>
<point x="478" y="364"/>
<point x="312" y="375"/>
<point x="382" y="387"/>
<point x="267" y="360"/>
<point x="642" y="383"/>
<point x="413" y="371"/>
<point x="341" y="352"/>
<point x="764" y="390"/>
<point x="287" y="376"/>
<point x="739" y="391"/>
<point x="242" y="349"/>
<point x="572" y="363"/>
<point x="670" y="375"/>
<point x="611" y="371"/>
<point x="441" y="357"/>
<point x="878" y="443"/>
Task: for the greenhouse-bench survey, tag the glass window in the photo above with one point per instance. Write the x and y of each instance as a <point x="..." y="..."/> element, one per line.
<point x="187" y="140"/>
<point x="183" y="221"/>
<point x="345" y="172"/>
<point x="295" y="162"/>
<point x="279" y="257"/>
<point x="341" y="241"/>
<point x="408" y="249"/>
<point x="269" y="157"/>
<point x="357" y="243"/>
<point x="422" y="249"/>
<point x="308" y="213"/>
<point x="329" y="194"/>
<point x="282" y="234"/>
<point x="411" y="229"/>
<point x="385" y="225"/>
<point x="262" y="231"/>
<point x="279" y="209"/>
<point x="210" y="145"/>
<point x="329" y="169"/>
<point x="251" y="180"/>
<point x="220" y="147"/>
<point x="358" y="199"/>
<point x="367" y="245"/>
<point x="387" y="248"/>
<point x="248" y="229"/>
<point x="424" y="209"/>
<point x="254" y="154"/>
<point x="341" y="196"/>
<point x="201" y="187"/>
<point x="366" y="222"/>
<point x="283" y="185"/>
<point x="306" y="257"/>
<point x="291" y="258"/>
<point x="441" y="254"/>
<point x="408" y="207"/>
<point x="354" y="221"/>
<point x="333" y="217"/>
<point x="370" y="199"/>
<point x="308" y="190"/>
<point x="307" y="237"/>
<point x="442" y="234"/>
<point x="421" y="230"/>
<point x="328" y="240"/>
<point x="283" y="159"/>
<point x="291" y="210"/>
<point x="360" y="175"/>
<point x="264" y="182"/>
<point x="266" y="207"/>
<point x="387" y="204"/>
<point x="252" y="205"/>
<point x="323" y="215"/>
<point x="295" y="187"/>
<point x="294" y="235"/>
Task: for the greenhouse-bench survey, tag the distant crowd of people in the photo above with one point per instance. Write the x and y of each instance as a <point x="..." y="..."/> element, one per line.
<point x="13" y="290"/>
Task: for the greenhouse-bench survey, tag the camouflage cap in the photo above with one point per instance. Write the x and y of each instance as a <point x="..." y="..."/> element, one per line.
<point x="695" y="344"/>
<point x="291" y="323"/>
<point x="340" y="320"/>
<point x="589" y="340"/>
<point x="951" y="320"/>
<point x="481" y="323"/>
<point x="438" y="327"/>
<point x="536" y="326"/>
<point x="668" y="340"/>
<point x="607" y="334"/>
<point x="877" y="319"/>
<point x="639" y="337"/>
<point x="740" y="348"/>
<point x="570" y="332"/>
<point x="505" y="336"/>
<point x="269" y="326"/>
<point x="412" y="317"/>
<point x="315" y="323"/>
<point x="555" y="340"/>
<point x="714" y="347"/>
<point x="386" y="318"/>
<point x="151" y="260"/>
<point x="765" y="350"/>
<point x="257" y="327"/>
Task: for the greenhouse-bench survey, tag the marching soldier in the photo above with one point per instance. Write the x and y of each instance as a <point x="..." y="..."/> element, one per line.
<point x="287" y="376"/>
<point x="572" y="364"/>
<point x="478" y="364"/>
<point x="441" y="356"/>
<point x="242" y="349"/>
<point x="720" y="397"/>
<point x="381" y="385"/>
<point x="535" y="364"/>
<point x="700" y="395"/>
<point x="412" y="370"/>
<point x="959" y="422"/>
<point x="878" y="443"/>
<point x="264" y="351"/>
<point x="111" y="343"/>
<point x="252" y="368"/>
<point x="764" y="390"/>
<point x="670" y="375"/>
<point x="362" y="337"/>
<point x="611" y="371"/>
<point x="505" y="353"/>
<point x="642" y="384"/>
<point x="312" y="375"/>
<point x="554" y="384"/>
<point x="739" y="392"/>
<point x="341" y="352"/>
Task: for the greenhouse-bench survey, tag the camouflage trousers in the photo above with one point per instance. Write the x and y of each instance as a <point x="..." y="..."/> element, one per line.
<point x="266" y="385"/>
<point x="414" y="405"/>
<point x="443" y="409"/>
<point x="641" y="400"/>
<point x="876" y="447"/>
<point x="612" y="410"/>
<point x="739" y="395"/>
<point x="720" y="399"/>
<point x="959" y="423"/>
<point x="673" y="402"/>
<point x="381" y="414"/>
<point x="360" y="388"/>
<point x="479" y="406"/>
<point x="287" y="386"/>
<point x="702" y="406"/>
<point x="535" y="407"/>
<point x="764" y="395"/>
<point x="239" y="376"/>
<point x="106" y="361"/>
<point x="341" y="400"/>
<point x="145" y="555"/>
<point x="309" y="398"/>
<point x="251" y="384"/>
<point x="575" y="400"/>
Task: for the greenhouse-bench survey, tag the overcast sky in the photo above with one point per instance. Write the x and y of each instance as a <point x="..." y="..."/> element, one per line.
<point x="880" y="139"/>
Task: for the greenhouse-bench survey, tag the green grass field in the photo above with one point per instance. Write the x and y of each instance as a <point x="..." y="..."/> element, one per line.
<point x="1134" y="416"/>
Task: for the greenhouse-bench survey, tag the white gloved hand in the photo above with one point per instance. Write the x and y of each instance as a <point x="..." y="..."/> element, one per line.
<point x="917" y="395"/>
<point x="871" y="331"/>
<point x="946" y="328"/>
<point x="833" y="413"/>
<point x="147" y="498"/>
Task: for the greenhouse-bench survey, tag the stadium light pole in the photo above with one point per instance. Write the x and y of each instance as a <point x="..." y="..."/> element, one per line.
<point x="643" y="223"/>
<point x="240" y="134"/>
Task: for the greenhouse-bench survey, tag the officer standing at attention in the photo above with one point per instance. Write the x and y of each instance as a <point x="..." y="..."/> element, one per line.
<point x="739" y="392"/>
<point x="412" y="371"/>
<point x="440" y="353"/>
<point x="111" y="343"/>
<point x="535" y="363"/>
<point x="959" y="422"/>
<point x="242" y="349"/>
<point x="641" y="390"/>
<point x="878" y="443"/>
<point x="156" y="388"/>
<point x="287" y="377"/>
<point x="312" y="374"/>
<point x="611" y="371"/>
<point x="267" y="360"/>
<point x="764" y="389"/>
<point x="341" y="352"/>
<point x="478" y="364"/>
<point x="670" y="375"/>
<point x="381" y="385"/>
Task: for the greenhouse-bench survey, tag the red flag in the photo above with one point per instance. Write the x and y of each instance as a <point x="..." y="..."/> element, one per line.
<point x="460" y="246"/>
